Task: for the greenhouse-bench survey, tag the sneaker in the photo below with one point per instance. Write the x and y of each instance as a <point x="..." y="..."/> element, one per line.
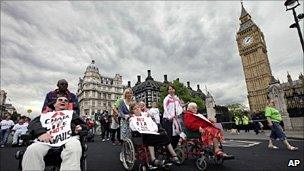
<point x="108" y="139"/>
<point x="103" y="140"/>
<point x="2" y="146"/>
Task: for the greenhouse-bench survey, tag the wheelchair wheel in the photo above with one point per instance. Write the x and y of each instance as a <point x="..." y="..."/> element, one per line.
<point x="142" y="167"/>
<point x="218" y="161"/>
<point x="180" y="154"/>
<point x="128" y="155"/>
<point x="201" y="163"/>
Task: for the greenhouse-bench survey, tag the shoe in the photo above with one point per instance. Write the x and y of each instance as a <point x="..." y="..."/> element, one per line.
<point x="2" y="146"/>
<point x="157" y="163"/>
<point x="108" y="139"/>
<point x="103" y="140"/>
<point x="273" y="147"/>
<point x="293" y="148"/>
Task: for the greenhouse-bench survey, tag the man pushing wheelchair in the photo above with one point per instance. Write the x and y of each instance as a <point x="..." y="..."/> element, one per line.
<point x="59" y="128"/>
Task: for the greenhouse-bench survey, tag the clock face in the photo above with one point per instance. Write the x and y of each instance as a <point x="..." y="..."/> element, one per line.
<point x="247" y="40"/>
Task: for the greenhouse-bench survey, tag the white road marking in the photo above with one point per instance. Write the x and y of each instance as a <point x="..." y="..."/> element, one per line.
<point x="240" y="143"/>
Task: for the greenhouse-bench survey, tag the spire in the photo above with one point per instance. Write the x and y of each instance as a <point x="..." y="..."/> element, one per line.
<point x="244" y="12"/>
<point x="289" y="77"/>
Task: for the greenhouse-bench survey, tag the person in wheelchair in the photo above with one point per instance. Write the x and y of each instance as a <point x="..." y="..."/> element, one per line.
<point x="151" y="135"/>
<point x="210" y="135"/>
<point x="61" y="127"/>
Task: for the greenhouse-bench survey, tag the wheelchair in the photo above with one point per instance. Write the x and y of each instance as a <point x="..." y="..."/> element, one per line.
<point x="136" y="155"/>
<point x="193" y="147"/>
<point x="52" y="159"/>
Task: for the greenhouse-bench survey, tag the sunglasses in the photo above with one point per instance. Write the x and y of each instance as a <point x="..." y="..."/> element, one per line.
<point x="63" y="100"/>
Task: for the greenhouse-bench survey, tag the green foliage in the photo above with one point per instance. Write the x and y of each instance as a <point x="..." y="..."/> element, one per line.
<point x="236" y="109"/>
<point x="183" y="93"/>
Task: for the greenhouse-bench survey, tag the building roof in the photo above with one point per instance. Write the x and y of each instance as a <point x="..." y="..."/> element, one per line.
<point x="248" y="23"/>
<point x="244" y="12"/>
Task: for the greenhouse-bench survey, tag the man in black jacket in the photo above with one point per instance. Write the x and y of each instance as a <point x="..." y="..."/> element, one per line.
<point x="62" y="90"/>
<point x="71" y="153"/>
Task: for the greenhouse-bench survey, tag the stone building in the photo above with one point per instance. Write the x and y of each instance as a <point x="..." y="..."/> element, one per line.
<point x="253" y="51"/>
<point x="97" y="93"/>
<point x="149" y="90"/>
<point x="2" y="102"/>
<point x="289" y="100"/>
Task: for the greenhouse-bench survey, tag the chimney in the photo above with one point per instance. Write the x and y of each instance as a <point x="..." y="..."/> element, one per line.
<point x="129" y="84"/>
<point x="198" y="88"/>
<point x="165" y="79"/>
<point x="149" y="73"/>
<point x="188" y="84"/>
<point x="138" y="79"/>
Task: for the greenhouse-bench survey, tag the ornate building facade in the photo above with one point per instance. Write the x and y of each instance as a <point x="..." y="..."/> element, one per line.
<point x="256" y="67"/>
<point x="294" y="95"/>
<point x="97" y="93"/>
<point x="149" y="90"/>
<point x="2" y="102"/>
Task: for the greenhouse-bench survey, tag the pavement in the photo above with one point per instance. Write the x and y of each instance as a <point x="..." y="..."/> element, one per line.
<point x="250" y="154"/>
<point x="294" y="135"/>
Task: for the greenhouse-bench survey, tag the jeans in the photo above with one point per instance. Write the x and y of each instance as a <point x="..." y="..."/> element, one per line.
<point x="4" y="136"/>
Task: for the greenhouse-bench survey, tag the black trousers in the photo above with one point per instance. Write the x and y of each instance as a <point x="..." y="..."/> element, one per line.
<point x="105" y="131"/>
<point x="115" y="134"/>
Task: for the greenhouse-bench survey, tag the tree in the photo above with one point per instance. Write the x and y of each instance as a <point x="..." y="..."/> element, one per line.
<point x="236" y="109"/>
<point x="183" y="93"/>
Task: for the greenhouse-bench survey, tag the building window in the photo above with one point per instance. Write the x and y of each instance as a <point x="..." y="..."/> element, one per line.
<point x="104" y="95"/>
<point x="109" y="96"/>
<point x="99" y="102"/>
<point x="109" y="104"/>
<point x="99" y="95"/>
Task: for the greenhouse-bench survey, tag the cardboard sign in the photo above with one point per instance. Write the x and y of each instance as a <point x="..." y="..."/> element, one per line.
<point x="143" y="125"/>
<point x="58" y="124"/>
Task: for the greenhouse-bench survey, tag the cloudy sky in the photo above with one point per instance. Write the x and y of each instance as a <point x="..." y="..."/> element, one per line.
<point x="42" y="42"/>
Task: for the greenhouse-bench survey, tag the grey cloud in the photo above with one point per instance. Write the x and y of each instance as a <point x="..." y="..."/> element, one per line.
<point x="42" y="42"/>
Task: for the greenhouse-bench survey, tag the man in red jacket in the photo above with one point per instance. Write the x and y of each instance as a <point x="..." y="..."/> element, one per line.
<point x="210" y="134"/>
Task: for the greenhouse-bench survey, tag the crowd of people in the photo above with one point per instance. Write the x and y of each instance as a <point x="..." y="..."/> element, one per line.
<point x="126" y="116"/>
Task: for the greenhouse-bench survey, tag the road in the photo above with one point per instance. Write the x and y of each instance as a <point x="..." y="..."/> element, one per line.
<point x="249" y="155"/>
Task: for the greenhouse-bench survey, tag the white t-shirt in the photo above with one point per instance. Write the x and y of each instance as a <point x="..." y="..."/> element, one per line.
<point x="19" y="127"/>
<point x="154" y="112"/>
<point x="5" y="124"/>
<point x="114" y="125"/>
<point x="143" y="125"/>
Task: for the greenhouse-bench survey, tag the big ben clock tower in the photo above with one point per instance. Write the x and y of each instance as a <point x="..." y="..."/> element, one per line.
<point x="253" y="52"/>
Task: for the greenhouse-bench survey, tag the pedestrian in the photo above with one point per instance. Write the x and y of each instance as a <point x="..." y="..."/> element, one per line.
<point x="273" y="119"/>
<point x="124" y="113"/>
<point x="115" y="133"/>
<point x="245" y="120"/>
<point x="19" y="129"/>
<point x="62" y="90"/>
<point x="105" y="119"/>
<point x="6" y="125"/>
<point x="236" y="124"/>
<point x="172" y="108"/>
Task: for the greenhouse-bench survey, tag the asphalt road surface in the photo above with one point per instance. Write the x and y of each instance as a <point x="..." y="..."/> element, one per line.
<point x="249" y="155"/>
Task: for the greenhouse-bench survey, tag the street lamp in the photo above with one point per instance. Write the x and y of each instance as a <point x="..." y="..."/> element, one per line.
<point x="291" y="5"/>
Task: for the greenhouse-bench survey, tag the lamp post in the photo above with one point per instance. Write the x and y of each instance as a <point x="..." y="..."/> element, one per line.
<point x="291" y="5"/>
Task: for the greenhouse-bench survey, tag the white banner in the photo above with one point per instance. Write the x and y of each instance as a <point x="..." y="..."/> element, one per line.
<point x="58" y="125"/>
